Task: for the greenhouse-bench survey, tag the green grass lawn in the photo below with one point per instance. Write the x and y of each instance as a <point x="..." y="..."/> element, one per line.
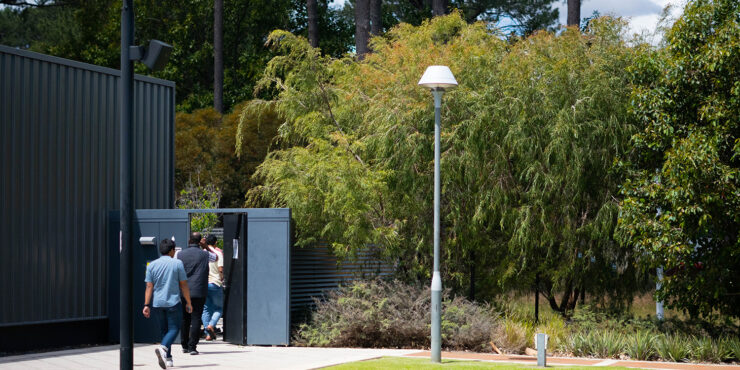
<point x="423" y="363"/>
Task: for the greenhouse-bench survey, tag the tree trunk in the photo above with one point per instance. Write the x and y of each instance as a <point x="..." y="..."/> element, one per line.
<point x="471" y="294"/>
<point x="376" y="17"/>
<point x="574" y="13"/>
<point x="362" y="27"/>
<point x="313" y="23"/>
<point x="218" y="55"/>
<point x="439" y="7"/>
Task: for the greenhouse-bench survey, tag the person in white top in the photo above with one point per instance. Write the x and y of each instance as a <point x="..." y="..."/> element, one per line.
<point x="215" y="299"/>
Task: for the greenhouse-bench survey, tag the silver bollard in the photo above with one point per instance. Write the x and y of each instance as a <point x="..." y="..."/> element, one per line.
<point x="540" y="344"/>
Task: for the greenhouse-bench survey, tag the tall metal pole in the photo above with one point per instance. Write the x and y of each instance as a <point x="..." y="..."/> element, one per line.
<point x="659" y="304"/>
<point x="436" y="278"/>
<point x="127" y="97"/>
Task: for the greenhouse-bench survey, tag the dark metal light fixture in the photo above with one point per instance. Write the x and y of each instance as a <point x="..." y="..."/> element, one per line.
<point x="154" y="57"/>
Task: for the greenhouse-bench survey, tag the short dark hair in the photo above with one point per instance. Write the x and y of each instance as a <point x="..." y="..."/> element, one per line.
<point x="165" y="246"/>
<point x="195" y="237"/>
<point x="211" y="239"/>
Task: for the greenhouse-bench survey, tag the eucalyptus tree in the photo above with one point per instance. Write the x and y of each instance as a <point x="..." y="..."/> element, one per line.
<point x="528" y="149"/>
<point x="682" y="199"/>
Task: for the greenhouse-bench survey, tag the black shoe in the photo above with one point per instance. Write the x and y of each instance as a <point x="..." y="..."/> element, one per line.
<point x="194" y="352"/>
<point x="185" y="350"/>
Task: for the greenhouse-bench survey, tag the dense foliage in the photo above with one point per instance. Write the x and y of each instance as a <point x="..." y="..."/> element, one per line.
<point x="682" y="201"/>
<point x="529" y="139"/>
<point x="392" y="314"/>
<point x="205" y="150"/>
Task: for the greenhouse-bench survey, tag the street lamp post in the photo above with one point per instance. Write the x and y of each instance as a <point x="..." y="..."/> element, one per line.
<point x="155" y="57"/>
<point x="437" y="79"/>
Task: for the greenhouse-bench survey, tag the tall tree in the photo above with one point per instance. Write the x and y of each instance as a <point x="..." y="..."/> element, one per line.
<point x="218" y="55"/>
<point x="376" y="17"/>
<point x="362" y="27"/>
<point x="313" y="23"/>
<point x="439" y="7"/>
<point x="574" y="13"/>
<point x="529" y="141"/>
<point x="681" y="209"/>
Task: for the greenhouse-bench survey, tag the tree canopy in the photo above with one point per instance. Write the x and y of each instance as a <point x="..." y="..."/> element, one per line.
<point x="529" y="141"/>
<point x="682" y="200"/>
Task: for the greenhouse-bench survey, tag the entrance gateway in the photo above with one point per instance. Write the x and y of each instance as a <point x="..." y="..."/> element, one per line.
<point x="256" y="270"/>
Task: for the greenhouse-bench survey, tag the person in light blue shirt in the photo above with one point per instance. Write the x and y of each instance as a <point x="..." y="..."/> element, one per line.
<point x="165" y="279"/>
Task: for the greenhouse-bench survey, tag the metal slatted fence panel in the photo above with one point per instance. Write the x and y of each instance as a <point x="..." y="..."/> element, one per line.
<point x="314" y="271"/>
<point x="59" y="177"/>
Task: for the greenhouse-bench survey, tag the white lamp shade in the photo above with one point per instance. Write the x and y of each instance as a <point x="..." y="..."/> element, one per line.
<point x="438" y="77"/>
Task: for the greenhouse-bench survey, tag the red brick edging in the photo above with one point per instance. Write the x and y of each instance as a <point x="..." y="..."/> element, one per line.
<point x="522" y="359"/>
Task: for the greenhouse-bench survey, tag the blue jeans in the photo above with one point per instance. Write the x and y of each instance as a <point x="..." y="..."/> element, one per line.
<point x="214" y="305"/>
<point x="170" y="319"/>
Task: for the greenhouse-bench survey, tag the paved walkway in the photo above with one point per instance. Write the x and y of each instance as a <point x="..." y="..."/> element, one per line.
<point x="227" y="356"/>
<point x="212" y="355"/>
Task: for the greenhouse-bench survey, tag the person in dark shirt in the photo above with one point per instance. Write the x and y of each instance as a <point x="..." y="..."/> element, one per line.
<point x="195" y="261"/>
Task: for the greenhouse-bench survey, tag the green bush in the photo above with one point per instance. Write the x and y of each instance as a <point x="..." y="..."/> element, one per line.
<point x="394" y="315"/>
<point x="606" y="344"/>
<point x="731" y="347"/>
<point x="673" y="348"/>
<point x="578" y="344"/>
<point x="640" y="345"/>
<point x="708" y="350"/>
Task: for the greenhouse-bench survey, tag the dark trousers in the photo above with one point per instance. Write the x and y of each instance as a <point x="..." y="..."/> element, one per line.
<point x="190" y="333"/>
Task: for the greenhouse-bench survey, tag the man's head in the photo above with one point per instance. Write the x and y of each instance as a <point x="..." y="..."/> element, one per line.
<point x="167" y="246"/>
<point x="211" y="240"/>
<point x="195" y="238"/>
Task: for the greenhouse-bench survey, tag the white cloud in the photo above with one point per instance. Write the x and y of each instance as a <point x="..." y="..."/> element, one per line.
<point x="643" y="15"/>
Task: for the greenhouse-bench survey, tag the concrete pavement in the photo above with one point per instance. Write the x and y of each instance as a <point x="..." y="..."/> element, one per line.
<point x="212" y="355"/>
<point x="227" y="356"/>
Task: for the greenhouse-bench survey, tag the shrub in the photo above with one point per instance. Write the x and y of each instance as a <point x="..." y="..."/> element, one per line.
<point x="672" y="348"/>
<point x="466" y="325"/>
<point x="640" y="345"/>
<point x="708" y="350"/>
<point x="511" y="336"/>
<point x="579" y="344"/>
<point x="396" y="315"/>
<point x="606" y="344"/>
<point x="556" y="330"/>
<point x="731" y="348"/>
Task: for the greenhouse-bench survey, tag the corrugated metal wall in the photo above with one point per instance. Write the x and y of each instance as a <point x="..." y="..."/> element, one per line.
<point x="314" y="271"/>
<point x="59" y="177"/>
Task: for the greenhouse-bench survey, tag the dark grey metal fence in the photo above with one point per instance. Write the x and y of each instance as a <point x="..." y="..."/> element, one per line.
<point x="59" y="177"/>
<point x="315" y="271"/>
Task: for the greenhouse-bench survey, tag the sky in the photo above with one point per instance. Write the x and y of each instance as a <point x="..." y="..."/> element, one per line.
<point x="643" y="15"/>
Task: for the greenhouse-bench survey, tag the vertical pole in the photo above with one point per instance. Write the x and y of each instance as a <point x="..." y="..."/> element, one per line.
<point x="218" y="55"/>
<point x="541" y="345"/>
<point x="127" y="91"/>
<point x="659" y="304"/>
<point x="537" y="298"/>
<point x="436" y="278"/>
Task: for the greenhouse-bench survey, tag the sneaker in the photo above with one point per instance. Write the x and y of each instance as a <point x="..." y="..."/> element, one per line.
<point x="185" y="350"/>
<point x="161" y="353"/>
<point x="169" y="362"/>
<point x="194" y="352"/>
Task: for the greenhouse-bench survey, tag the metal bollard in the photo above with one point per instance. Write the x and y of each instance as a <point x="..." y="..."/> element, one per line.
<point x="540" y="344"/>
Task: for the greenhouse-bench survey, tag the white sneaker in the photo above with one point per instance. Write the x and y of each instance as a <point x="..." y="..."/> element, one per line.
<point x="169" y="362"/>
<point x="161" y="352"/>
